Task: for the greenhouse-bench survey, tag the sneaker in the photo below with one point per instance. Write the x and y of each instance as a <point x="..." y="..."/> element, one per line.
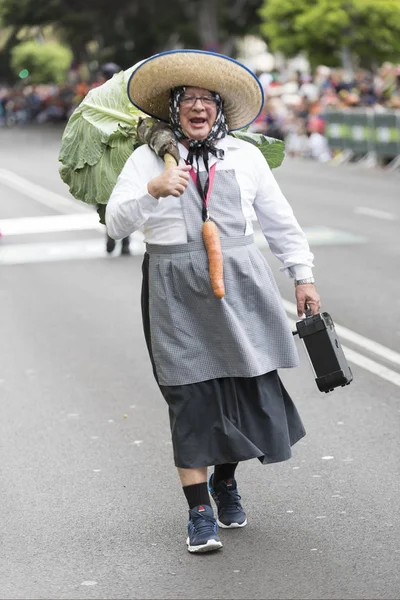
<point x="227" y="499"/>
<point x="202" y="530"/>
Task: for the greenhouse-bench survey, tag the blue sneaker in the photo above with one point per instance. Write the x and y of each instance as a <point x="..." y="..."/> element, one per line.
<point x="227" y="499"/>
<point x="202" y="530"/>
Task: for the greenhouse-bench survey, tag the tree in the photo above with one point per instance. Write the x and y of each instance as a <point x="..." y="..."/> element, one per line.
<point x="368" y="29"/>
<point x="46" y="63"/>
<point x="126" y="31"/>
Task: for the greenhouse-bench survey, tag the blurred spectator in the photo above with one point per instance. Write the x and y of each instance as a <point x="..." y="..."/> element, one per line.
<point x="318" y="148"/>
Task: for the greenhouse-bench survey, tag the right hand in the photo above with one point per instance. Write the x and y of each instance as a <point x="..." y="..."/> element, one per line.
<point x="172" y="182"/>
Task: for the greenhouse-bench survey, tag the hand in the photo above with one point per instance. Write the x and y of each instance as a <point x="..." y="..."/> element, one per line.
<point x="307" y="295"/>
<point x="172" y="182"/>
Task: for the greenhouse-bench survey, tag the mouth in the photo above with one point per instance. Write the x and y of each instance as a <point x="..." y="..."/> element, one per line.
<point x="197" y="122"/>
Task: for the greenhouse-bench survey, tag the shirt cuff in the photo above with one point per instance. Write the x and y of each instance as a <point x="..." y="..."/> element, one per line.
<point x="300" y="271"/>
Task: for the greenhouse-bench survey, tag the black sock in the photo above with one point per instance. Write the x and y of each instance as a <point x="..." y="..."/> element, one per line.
<point x="223" y="472"/>
<point x="197" y="494"/>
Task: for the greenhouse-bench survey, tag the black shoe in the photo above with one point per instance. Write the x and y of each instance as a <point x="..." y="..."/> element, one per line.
<point x="125" y="251"/>
<point x="110" y="245"/>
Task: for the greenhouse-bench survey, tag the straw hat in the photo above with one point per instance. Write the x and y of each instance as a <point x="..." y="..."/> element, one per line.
<point x="150" y="84"/>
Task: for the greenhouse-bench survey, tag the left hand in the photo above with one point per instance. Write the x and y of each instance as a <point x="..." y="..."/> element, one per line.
<point x="307" y="295"/>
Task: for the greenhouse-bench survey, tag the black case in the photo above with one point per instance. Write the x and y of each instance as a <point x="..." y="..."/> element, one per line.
<point x="325" y="351"/>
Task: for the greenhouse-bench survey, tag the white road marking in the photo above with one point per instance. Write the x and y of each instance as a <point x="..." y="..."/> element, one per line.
<point x="372" y="366"/>
<point x="41" y="194"/>
<point x="18" y="254"/>
<point x="366" y="363"/>
<point x="89" y="220"/>
<point x="378" y="214"/>
<point x="318" y="236"/>
<point x="51" y="224"/>
<point x="14" y="254"/>
<point x="356" y="338"/>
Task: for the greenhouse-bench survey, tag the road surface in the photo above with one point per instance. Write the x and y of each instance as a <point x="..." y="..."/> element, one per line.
<point x="91" y="505"/>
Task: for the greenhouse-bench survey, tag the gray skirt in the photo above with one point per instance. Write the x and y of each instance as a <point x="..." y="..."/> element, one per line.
<point x="226" y="419"/>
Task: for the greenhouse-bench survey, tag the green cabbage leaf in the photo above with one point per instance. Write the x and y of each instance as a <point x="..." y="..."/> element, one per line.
<point x="273" y="150"/>
<point x="98" y="139"/>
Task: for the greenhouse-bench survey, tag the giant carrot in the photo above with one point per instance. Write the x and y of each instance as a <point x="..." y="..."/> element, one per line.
<point x="212" y="244"/>
<point x="214" y="253"/>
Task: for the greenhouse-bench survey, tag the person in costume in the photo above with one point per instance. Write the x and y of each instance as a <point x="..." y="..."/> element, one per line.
<point x="215" y="359"/>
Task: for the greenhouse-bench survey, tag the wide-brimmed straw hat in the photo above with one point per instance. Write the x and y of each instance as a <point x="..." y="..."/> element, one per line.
<point x="150" y="84"/>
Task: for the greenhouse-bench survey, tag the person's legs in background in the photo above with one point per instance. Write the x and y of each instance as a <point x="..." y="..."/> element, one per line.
<point x="110" y="245"/>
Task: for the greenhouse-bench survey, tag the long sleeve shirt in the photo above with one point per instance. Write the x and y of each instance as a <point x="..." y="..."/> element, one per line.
<point x="131" y="207"/>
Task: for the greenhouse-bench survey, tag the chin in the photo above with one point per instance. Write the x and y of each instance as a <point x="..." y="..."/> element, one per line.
<point x="197" y="135"/>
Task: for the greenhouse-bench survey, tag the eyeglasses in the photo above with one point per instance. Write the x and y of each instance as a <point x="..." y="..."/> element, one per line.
<point x="190" y="101"/>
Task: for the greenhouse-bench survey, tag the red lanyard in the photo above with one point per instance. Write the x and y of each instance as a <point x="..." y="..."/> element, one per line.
<point x="211" y="174"/>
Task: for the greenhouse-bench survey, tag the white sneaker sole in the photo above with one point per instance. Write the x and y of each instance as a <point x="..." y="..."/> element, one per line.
<point x="232" y="525"/>
<point x="209" y="547"/>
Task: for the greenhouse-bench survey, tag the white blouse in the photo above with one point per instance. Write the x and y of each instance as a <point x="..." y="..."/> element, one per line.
<point x="131" y="207"/>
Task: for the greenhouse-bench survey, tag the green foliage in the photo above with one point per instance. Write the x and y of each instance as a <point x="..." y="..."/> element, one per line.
<point x="27" y="12"/>
<point x="370" y="28"/>
<point x="47" y="63"/>
<point x="129" y="31"/>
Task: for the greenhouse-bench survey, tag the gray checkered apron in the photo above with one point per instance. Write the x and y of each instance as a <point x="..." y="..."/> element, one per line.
<point x="220" y="354"/>
<point x="196" y="336"/>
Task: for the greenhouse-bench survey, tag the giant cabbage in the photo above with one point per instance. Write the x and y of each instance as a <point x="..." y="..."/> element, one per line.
<point x="98" y="139"/>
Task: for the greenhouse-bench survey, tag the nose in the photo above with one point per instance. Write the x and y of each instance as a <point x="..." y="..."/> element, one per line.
<point x="198" y="105"/>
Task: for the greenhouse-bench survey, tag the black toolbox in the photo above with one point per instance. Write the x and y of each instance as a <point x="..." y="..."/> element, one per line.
<point x="325" y="351"/>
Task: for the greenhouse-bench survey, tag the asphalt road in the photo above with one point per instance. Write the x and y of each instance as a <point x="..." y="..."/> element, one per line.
<point x="91" y="505"/>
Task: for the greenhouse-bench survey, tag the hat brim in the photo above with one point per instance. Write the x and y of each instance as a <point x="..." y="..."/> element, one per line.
<point x="150" y="84"/>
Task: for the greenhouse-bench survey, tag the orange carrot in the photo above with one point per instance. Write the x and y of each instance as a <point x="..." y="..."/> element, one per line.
<point x="214" y="253"/>
<point x="212" y="244"/>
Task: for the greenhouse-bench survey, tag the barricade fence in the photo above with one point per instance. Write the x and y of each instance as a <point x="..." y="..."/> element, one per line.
<point x="364" y="132"/>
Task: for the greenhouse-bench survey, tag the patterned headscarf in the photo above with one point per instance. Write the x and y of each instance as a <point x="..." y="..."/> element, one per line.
<point x="199" y="148"/>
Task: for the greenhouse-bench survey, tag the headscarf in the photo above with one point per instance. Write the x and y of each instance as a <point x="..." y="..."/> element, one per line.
<point x="199" y="148"/>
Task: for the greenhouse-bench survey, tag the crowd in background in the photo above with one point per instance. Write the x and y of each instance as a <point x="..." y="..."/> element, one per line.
<point x="296" y="104"/>
<point x="26" y="104"/>
<point x="294" y="108"/>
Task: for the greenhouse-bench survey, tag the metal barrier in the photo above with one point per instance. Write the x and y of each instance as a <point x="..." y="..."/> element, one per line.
<point x="362" y="133"/>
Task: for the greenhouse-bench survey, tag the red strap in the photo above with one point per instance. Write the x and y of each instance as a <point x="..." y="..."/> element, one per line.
<point x="211" y="174"/>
